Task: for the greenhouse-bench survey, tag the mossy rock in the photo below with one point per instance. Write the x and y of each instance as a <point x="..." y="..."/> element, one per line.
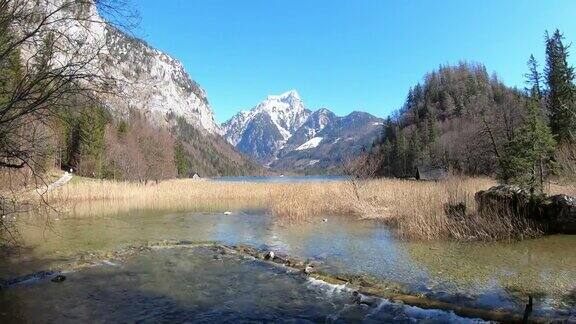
<point x="554" y="214"/>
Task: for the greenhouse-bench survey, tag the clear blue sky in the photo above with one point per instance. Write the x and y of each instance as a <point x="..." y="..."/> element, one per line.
<point x="342" y="54"/>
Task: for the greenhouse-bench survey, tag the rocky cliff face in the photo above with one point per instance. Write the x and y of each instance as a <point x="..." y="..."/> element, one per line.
<point x="137" y="75"/>
<point x="125" y="74"/>
<point x="281" y="133"/>
<point x="154" y="82"/>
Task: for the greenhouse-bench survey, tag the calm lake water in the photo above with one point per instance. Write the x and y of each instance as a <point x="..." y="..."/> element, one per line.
<point x="495" y="275"/>
<point x="282" y="179"/>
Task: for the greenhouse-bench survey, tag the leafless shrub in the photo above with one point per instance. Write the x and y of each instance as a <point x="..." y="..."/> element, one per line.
<point x="566" y="162"/>
<point x="142" y="152"/>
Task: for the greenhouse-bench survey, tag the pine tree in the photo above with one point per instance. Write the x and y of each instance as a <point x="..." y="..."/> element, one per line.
<point x="401" y="162"/>
<point x="432" y="133"/>
<point x="182" y="163"/>
<point x="533" y="79"/>
<point x="449" y="105"/>
<point x="559" y="78"/>
<point x="527" y="158"/>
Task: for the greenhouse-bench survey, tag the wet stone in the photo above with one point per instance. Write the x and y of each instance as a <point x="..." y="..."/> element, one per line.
<point x="58" y="278"/>
<point x="269" y="255"/>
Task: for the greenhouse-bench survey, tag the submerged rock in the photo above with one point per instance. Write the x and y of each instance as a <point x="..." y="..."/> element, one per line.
<point x="309" y="269"/>
<point x="360" y="299"/>
<point x="281" y="259"/>
<point x="40" y="275"/>
<point x="58" y="278"/>
<point x="555" y="214"/>
<point x="269" y="255"/>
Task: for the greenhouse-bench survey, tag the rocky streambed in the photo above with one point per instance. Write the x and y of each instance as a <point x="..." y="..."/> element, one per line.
<point x="355" y="290"/>
<point x="159" y="271"/>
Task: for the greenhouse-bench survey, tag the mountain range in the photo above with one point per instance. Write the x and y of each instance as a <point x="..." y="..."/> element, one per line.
<point x="280" y="133"/>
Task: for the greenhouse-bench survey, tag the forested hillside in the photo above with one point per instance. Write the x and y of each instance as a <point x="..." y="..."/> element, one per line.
<point x="459" y="116"/>
<point x="464" y="119"/>
<point x="95" y="143"/>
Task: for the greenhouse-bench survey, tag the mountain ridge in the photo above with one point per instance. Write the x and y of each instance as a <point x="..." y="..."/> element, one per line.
<point x="280" y="132"/>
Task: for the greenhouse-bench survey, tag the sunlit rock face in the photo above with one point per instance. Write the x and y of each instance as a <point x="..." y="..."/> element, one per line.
<point x="154" y="82"/>
<point x="137" y="76"/>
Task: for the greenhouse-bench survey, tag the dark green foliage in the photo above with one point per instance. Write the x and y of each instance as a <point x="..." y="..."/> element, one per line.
<point x="561" y="91"/>
<point x="527" y="158"/>
<point x="207" y="155"/>
<point x="182" y="163"/>
<point x="83" y="131"/>
<point x="534" y="79"/>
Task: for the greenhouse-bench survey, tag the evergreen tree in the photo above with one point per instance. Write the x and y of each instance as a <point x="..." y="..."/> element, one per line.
<point x="449" y="105"/>
<point x="400" y="155"/>
<point x="84" y="134"/>
<point x="181" y="160"/>
<point x="533" y="79"/>
<point x="559" y="78"/>
<point x="527" y="158"/>
<point x="431" y="123"/>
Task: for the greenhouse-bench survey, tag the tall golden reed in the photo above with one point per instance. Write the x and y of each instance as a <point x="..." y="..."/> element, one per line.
<point x="415" y="209"/>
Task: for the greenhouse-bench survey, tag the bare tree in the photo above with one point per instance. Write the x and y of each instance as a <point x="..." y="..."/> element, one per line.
<point x="142" y="152"/>
<point x="48" y="59"/>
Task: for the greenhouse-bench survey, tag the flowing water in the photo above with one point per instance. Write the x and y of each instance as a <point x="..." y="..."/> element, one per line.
<point x="492" y="276"/>
<point x="200" y="285"/>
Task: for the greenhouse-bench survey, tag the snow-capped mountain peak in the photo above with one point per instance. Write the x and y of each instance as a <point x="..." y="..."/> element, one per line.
<point x="286" y="96"/>
<point x="286" y="112"/>
<point x="281" y="133"/>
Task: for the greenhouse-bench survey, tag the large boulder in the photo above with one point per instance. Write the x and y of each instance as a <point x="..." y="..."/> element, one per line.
<point x="556" y="214"/>
<point x="503" y="198"/>
<point x="560" y="210"/>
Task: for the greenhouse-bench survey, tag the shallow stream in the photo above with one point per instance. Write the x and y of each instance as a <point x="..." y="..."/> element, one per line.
<point x="183" y="284"/>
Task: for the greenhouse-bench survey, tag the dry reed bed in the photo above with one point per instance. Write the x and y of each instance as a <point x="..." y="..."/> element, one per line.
<point x="297" y="200"/>
<point x="415" y="209"/>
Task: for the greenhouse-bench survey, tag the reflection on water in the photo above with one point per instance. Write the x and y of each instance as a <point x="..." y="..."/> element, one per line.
<point x="488" y="275"/>
<point x="199" y="285"/>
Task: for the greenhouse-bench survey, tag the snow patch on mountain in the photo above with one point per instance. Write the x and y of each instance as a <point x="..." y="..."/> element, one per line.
<point x="312" y="143"/>
<point x="286" y="111"/>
